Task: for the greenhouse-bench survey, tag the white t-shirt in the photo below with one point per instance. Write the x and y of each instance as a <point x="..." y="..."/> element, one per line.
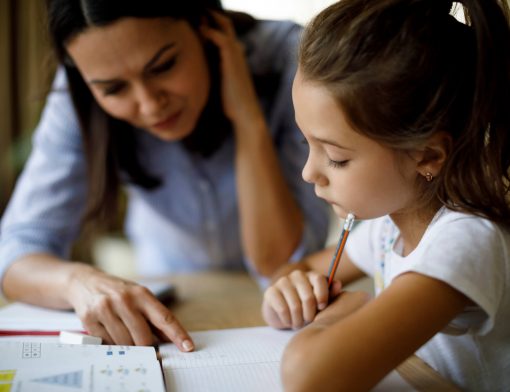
<point x="470" y="254"/>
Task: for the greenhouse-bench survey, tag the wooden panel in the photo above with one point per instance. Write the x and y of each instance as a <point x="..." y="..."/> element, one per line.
<point x="25" y="74"/>
<point x="34" y="69"/>
<point x="6" y="110"/>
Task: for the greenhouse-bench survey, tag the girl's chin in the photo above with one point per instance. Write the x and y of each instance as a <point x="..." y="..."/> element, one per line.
<point x="341" y="213"/>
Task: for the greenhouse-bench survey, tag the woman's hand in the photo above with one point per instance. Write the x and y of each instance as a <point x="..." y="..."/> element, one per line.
<point x="295" y="299"/>
<point x="122" y="312"/>
<point x="240" y="101"/>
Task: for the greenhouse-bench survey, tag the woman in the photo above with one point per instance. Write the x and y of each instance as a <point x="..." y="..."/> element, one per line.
<point x="164" y="95"/>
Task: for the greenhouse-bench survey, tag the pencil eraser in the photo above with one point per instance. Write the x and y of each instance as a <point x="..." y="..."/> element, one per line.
<point x="68" y="337"/>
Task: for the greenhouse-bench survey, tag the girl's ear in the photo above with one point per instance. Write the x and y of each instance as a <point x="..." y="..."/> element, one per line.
<point x="432" y="156"/>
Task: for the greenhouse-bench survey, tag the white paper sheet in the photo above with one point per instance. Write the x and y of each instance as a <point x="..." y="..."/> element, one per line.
<point x="244" y="359"/>
<point x="23" y="317"/>
<point x="232" y="360"/>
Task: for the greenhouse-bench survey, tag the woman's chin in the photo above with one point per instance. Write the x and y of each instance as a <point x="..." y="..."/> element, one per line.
<point x="170" y="135"/>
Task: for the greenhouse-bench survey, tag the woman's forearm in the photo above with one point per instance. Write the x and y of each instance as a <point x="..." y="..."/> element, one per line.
<point x="40" y="279"/>
<point x="271" y="220"/>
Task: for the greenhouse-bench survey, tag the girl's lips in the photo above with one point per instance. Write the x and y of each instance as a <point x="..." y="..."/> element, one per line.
<point x="169" y="122"/>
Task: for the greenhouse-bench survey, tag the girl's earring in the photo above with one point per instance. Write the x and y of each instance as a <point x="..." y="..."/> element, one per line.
<point x="428" y="176"/>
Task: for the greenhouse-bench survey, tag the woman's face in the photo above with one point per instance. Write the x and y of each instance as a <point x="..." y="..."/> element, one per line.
<point x="149" y="72"/>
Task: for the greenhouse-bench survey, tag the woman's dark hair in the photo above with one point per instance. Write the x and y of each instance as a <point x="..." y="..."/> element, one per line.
<point x="404" y="69"/>
<point x="109" y="143"/>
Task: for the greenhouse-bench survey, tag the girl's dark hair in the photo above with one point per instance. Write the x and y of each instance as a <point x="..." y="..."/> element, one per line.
<point x="109" y="143"/>
<point x="404" y="69"/>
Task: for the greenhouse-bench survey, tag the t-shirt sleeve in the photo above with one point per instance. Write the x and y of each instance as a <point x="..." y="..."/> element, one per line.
<point x="469" y="255"/>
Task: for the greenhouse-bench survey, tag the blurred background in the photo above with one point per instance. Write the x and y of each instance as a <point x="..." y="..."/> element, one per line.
<point x="26" y="71"/>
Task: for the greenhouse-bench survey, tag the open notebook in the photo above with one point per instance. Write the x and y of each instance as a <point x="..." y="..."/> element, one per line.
<point x="242" y="359"/>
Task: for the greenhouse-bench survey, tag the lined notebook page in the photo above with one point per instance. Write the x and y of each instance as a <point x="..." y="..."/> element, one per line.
<point x="233" y="360"/>
<point x="244" y="359"/>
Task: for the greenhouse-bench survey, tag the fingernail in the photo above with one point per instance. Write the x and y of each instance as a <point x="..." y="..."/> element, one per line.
<point x="187" y="345"/>
<point x="322" y="306"/>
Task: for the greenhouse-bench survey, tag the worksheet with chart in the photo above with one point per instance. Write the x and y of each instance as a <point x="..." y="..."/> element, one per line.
<point x="27" y="366"/>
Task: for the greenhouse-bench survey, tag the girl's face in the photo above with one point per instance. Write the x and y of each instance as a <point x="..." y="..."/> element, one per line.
<point x="149" y="72"/>
<point x="350" y="171"/>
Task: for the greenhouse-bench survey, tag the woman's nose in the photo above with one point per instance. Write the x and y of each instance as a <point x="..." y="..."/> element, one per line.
<point x="151" y="101"/>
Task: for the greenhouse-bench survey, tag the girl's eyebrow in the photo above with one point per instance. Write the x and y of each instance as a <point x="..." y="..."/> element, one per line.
<point x="331" y="143"/>
<point x="147" y="66"/>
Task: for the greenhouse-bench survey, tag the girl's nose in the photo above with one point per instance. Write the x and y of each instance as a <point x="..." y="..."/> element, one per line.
<point x="313" y="176"/>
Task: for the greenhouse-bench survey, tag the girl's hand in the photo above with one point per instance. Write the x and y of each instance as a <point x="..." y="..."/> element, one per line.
<point x="240" y="101"/>
<point x="295" y="299"/>
<point x="122" y="312"/>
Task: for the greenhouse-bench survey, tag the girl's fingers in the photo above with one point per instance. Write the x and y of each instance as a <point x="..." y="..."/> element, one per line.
<point x="336" y="289"/>
<point x="291" y="296"/>
<point x="320" y="289"/>
<point x="306" y="295"/>
<point x="276" y="302"/>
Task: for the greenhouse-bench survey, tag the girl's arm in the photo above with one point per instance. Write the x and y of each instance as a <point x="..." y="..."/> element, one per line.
<point x="300" y="290"/>
<point x="353" y="343"/>
<point x="271" y="220"/>
<point x="118" y="311"/>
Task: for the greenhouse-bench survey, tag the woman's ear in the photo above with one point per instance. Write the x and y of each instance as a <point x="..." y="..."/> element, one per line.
<point x="433" y="154"/>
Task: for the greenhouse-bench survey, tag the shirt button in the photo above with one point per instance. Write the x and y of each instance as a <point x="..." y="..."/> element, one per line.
<point x="203" y="186"/>
<point x="210" y="226"/>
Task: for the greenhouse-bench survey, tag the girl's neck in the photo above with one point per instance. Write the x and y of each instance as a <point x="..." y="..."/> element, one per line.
<point x="412" y="226"/>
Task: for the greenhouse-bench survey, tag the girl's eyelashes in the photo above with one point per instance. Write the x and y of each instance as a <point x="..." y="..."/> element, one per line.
<point x="337" y="164"/>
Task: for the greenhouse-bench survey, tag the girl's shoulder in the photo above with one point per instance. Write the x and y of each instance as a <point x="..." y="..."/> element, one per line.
<point x="467" y="226"/>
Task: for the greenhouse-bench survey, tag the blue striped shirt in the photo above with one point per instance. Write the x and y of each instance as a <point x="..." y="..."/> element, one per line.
<point x="191" y="222"/>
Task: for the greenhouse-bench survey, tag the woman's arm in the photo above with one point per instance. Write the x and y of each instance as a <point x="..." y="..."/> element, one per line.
<point x="118" y="311"/>
<point x="353" y="343"/>
<point x="271" y="220"/>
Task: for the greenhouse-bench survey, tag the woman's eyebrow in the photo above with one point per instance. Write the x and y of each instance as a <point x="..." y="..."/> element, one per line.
<point x="157" y="56"/>
<point x="147" y="66"/>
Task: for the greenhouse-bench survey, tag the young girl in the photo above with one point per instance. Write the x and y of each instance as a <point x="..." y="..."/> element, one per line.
<point x="163" y="98"/>
<point x="405" y="110"/>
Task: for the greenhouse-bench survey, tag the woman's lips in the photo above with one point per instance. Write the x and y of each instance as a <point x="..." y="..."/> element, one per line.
<point x="169" y="122"/>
